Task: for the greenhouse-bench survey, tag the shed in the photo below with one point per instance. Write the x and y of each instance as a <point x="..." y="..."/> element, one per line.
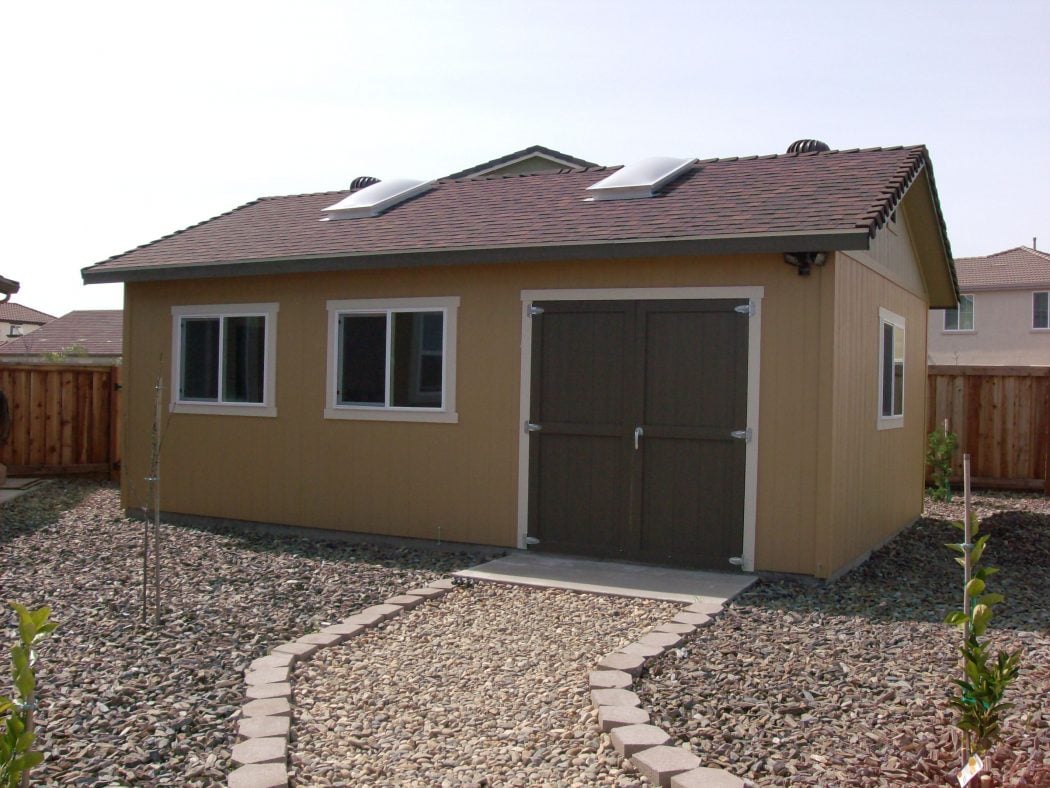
<point x="716" y="363"/>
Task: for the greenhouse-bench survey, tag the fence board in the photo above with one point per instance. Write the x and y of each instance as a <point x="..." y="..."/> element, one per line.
<point x="65" y="419"/>
<point x="1002" y="418"/>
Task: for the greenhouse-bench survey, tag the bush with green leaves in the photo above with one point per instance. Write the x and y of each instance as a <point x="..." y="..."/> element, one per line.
<point x="17" y="755"/>
<point x="940" y="446"/>
<point x="979" y="704"/>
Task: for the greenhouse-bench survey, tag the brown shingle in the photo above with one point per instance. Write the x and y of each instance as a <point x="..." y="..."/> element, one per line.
<point x="99" y="331"/>
<point x="773" y="195"/>
<point x="1017" y="268"/>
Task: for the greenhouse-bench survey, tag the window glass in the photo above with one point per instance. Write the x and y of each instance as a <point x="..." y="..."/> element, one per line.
<point x="892" y="370"/>
<point x="200" y="359"/>
<point x="1041" y="310"/>
<point x="417" y="359"/>
<point x="244" y="356"/>
<point x="961" y="318"/>
<point x="362" y="360"/>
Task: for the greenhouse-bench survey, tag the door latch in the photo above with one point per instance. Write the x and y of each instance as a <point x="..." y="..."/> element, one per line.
<point x="741" y="435"/>
<point x="638" y="433"/>
<point x="531" y="426"/>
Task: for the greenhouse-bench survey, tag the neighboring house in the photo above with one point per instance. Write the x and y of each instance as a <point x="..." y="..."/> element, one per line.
<point x="17" y="320"/>
<point x="710" y="363"/>
<point x="88" y="336"/>
<point x="1003" y="316"/>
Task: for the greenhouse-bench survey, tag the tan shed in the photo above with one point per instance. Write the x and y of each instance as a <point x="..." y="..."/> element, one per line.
<point x="709" y="363"/>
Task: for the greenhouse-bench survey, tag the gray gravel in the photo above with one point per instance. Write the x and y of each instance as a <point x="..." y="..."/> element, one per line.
<point x="847" y="683"/>
<point x="487" y="685"/>
<point x="124" y="704"/>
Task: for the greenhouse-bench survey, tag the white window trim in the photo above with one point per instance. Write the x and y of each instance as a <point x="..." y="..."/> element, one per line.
<point x="448" y="305"/>
<point x="893" y="319"/>
<point x="268" y="407"/>
<point x="1034" y="327"/>
<point x="973" y="312"/>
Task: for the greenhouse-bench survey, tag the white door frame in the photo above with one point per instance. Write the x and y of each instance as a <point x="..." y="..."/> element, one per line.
<point x="754" y="294"/>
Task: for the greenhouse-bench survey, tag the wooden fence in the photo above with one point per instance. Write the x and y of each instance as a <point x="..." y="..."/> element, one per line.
<point x="65" y="419"/>
<point x="1002" y="418"/>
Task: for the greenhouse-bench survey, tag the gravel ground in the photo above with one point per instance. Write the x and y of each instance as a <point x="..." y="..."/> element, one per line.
<point x="847" y="683"/>
<point x="487" y="685"/>
<point x="124" y="704"/>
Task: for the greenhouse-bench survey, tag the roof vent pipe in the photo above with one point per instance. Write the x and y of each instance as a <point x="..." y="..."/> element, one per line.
<point x="807" y="146"/>
<point x="361" y="181"/>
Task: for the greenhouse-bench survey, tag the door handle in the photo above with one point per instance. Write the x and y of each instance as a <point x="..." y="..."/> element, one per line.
<point x="638" y="433"/>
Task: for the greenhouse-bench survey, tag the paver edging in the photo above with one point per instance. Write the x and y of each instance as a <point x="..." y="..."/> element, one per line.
<point x="274" y="699"/>
<point x="653" y="761"/>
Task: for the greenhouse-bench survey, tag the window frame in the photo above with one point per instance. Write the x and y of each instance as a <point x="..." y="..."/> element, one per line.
<point x="888" y="318"/>
<point x="266" y="408"/>
<point x="1035" y="295"/>
<point x="973" y="320"/>
<point x="447" y="305"/>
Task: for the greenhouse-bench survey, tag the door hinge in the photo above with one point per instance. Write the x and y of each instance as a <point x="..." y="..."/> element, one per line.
<point x="531" y="426"/>
<point x="741" y="435"/>
<point x="531" y="540"/>
<point x="745" y="309"/>
<point x="736" y="560"/>
<point x="532" y="311"/>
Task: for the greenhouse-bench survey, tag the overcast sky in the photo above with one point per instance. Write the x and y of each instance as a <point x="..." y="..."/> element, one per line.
<point x="125" y="122"/>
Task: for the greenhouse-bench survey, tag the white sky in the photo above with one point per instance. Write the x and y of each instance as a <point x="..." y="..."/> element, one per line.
<point x="124" y="122"/>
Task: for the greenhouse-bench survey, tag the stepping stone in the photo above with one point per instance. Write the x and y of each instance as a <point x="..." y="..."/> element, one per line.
<point x="696" y="619"/>
<point x="297" y="649"/>
<point x="614" y="697"/>
<point x="273" y="661"/>
<point x="258" y="775"/>
<point x="705" y="777"/>
<point x="365" y="619"/>
<point x="427" y="593"/>
<point x="609" y="679"/>
<point x="445" y="584"/>
<point x="711" y="609"/>
<point x="266" y="676"/>
<point x="610" y="717"/>
<point x="664" y="640"/>
<point x="386" y="611"/>
<point x="259" y="727"/>
<point x="634" y="738"/>
<point x="344" y="631"/>
<point x="262" y="691"/>
<point x="643" y="650"/>
<point x="659" y="764"/>
<point x="267" y="707"/>
<point x="406" y="601"/>
<point x="628" y="663"/>
<point x="321" y="639"/>
<point x="271" y="749"/>
<point x="676" y="627"/>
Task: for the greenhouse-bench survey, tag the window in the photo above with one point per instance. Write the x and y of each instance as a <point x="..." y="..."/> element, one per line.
<point x="1041" y="310"/>
<point x="15" y="330"/>
<point x="891" y="370"/>
<point x="392" y="359"/>
<point x="224" y="359"/>
<point x="960" y="318"/>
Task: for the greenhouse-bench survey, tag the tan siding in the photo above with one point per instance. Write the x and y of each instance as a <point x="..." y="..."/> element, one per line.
<point x="877" y="475"/>
<point x="456" y="482"/>
<point x="894" y="256"/>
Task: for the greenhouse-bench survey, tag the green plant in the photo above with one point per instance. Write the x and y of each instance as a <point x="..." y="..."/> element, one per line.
<point x="979" y="703"/>
<point x="17" y="757"/>
<point x="940" y="446"/>
<point x="75" y="350"/>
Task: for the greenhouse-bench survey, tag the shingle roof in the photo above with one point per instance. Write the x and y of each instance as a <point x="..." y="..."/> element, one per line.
<point x="99" y="331"/>
<point x="1020" y="267"/>
<point x="16" y="313"/>
<point x="570" y="161"/>
<point x="837" y="194"/>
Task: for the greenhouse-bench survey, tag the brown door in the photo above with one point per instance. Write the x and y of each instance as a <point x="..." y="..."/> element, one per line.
<point x="636" y="403"/>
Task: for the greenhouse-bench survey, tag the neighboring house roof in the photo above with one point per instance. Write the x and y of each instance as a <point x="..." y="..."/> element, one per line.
<point x="100" y="332"/>
<point x="533" y="151"/>
<point x="1018" y="268"/>
<point x="814" y="201"/>
<point x="16" y="313"/>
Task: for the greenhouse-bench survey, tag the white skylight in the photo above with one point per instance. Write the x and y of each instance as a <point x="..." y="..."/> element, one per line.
<point x="640" y="179"/>
<point x="373" y="200"/>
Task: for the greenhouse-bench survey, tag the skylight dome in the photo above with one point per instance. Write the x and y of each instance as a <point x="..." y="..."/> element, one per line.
<point x="373" y="200"/>
<point x="639" y="180"/>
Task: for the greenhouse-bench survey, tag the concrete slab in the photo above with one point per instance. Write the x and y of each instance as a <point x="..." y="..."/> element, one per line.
<point x="611" y="577"/>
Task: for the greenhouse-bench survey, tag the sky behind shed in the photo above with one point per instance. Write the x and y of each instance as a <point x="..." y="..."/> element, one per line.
<point x="127" y="121"/>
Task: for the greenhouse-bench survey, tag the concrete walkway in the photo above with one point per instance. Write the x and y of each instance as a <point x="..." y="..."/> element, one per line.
<point x="14" y="487"/>
<point x="611" y="577"/>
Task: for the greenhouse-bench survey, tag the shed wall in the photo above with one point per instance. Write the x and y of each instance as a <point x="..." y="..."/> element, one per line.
<point x="455" y="482"/>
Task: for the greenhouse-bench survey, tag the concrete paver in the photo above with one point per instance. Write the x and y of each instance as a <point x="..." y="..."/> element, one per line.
<point x="659" y="764"/>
